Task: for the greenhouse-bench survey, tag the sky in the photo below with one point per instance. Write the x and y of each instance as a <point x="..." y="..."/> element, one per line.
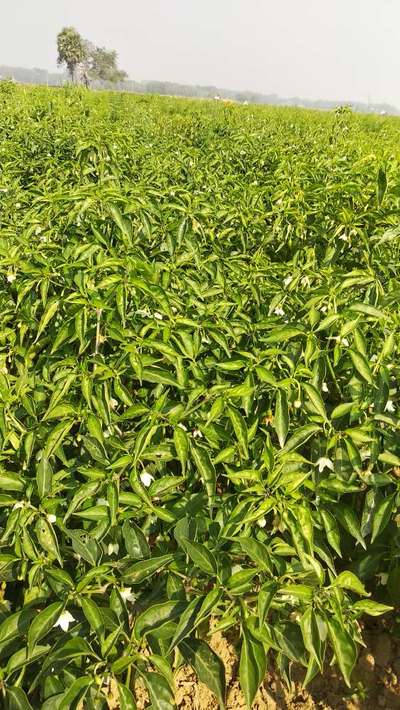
<point x="314" y="49"/>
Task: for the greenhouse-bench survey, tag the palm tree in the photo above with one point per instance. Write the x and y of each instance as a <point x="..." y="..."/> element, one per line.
<point x="72" y="50"/>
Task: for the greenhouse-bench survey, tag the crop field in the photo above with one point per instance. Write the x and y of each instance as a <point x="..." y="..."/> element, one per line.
<point x="199" y="407"/>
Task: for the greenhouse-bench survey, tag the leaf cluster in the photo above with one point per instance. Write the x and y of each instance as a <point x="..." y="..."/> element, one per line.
<point x="198" y="392"/>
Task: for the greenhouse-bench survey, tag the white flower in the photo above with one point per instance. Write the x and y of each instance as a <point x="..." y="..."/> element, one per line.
<point x="127" y="595"/>
<point x="18" y="204"/>
<point x="325" y="387"/>
<point x="389" y="407"/>
<point x="261" y="522"/>
<point x="64" y="620"/>
<point x="113" y="403"/>
<point x="112" y="548"/>
<point x="143" y="312"/>
<point x="20" y="504"/>
<point x="324" y="309"/>
<point x="344" y="238"/>
<point x="158" y="316"/>
<point x="11" y="277"/>
<point x="287" y="280"/>
<point x="297" y="403"/>
<point x="279" y="311"/>
<point x="51" y="518"/>
<point x="305" y="281"/>
<point x="146" y="478"/>
<point x="197" y="434"/>
<point x="323" y="463"/>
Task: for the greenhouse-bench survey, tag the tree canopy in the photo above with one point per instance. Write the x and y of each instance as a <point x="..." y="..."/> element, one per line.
<point x="72" y="50"/>
<point x="85" y="61"/>
<point x="103" y="65"/>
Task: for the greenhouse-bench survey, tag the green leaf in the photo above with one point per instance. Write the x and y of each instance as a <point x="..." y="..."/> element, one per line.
<point x="48" y="314"/>
<point x="344" y="648"/>
<point x="331" y="530"/>
<point x="341" y="410"/>
<point x="16" y="699"/>
<point x="126" y="699"/>
<point x="348" y="580"/>
<point x="135" y="541"/>
<point x="43" y="623"/>
<point x="56" y="438"/>
<point x="48" y="539"/>
<point x="240" y="429"/>
<point x="23" y="658"/>
<point x="140" y="571"/>
<point x="93" y="616"/>
<point x="367" y="309"/>
<point x="252" y="666"/>
<point x="366" y="606"/>
<point x="281" y="419"/>
<point x="311" y="635"/>
<point x="361" y="364"/>
<point x="381" y="186"/>
<point x="11" y="482"/>
<point x="299" y="438"/>
<point x="382" y="516"/>
<point x="44" y="477"/>
<point x="265" y="375"/>
<point x="207" y="665"/>
<point x="257" y="551"/>
<point x="206" y="470"/>
<point x="182" y="445"/>
<point x="201" y="556"/>
<point x="186" y="623"/>
<point x="94" y="449"/>
<point x="280" y="335"/>
<point x="77" y="690"/>
<point x="15" y="625"/>
<point x="161" y="697"/>
<point x="349" y="521"/>
<point x="265" y="598"/>
<point x="158" y="375"/>
<point x="315" y="399"/>
<point x="156" y="615"/>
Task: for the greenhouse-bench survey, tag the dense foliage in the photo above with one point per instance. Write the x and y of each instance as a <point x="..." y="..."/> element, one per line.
<point x="198" y="387"/>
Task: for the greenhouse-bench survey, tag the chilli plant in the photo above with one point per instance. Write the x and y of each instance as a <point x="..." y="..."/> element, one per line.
<point x="198" y="392"/>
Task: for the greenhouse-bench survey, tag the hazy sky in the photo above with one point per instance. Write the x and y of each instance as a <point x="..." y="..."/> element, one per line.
<point x="328" y="49"/>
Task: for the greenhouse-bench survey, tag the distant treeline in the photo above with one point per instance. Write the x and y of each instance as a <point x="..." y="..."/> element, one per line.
<point x="41" y="76"/>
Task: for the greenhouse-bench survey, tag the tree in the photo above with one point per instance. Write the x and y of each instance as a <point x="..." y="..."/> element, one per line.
<point x="102" y="65"/>
<point x="84" y="60"/>
<point x="72" y="51"/>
